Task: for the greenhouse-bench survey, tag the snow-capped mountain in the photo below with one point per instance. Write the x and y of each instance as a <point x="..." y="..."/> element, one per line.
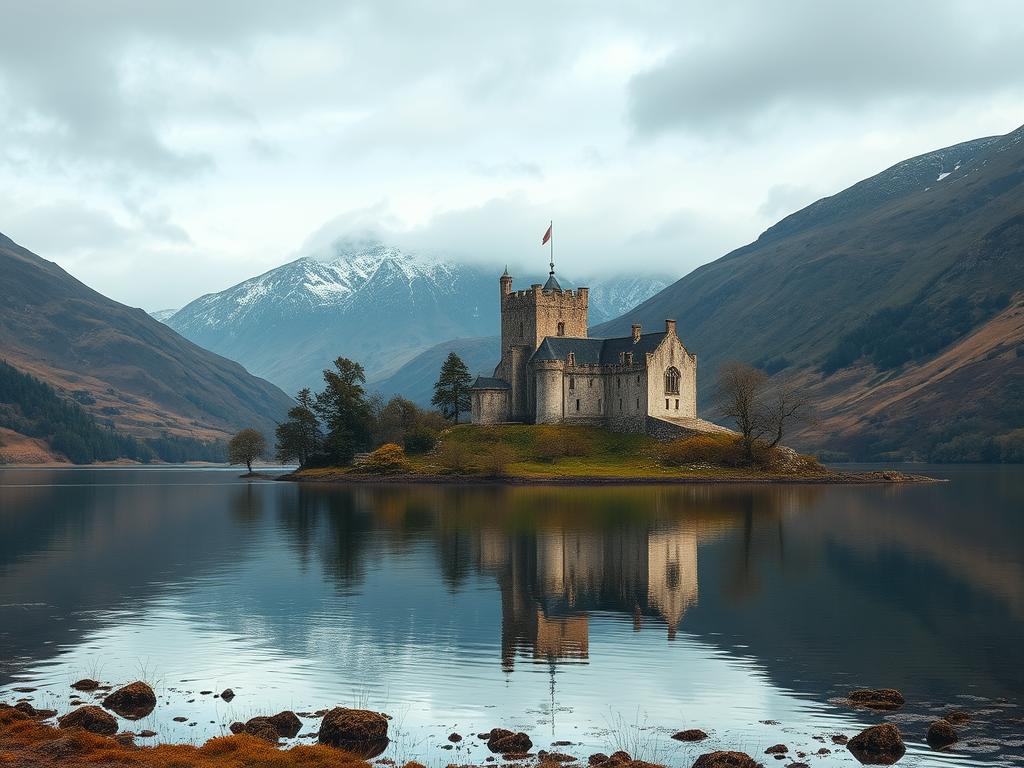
<point x="163" y="315"/>
<point x="378" y="305"/>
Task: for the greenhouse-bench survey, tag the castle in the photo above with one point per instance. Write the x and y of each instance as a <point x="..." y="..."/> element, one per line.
<point x="551" y="372"/>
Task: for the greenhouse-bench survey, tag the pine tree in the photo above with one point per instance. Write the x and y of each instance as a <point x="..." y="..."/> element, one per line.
<point x="344" y="410"/>
<point x="300" y="437"/>
<point x="451" y="392"/>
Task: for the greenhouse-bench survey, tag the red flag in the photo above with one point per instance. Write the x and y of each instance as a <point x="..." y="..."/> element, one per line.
<point x="547" y="235"/>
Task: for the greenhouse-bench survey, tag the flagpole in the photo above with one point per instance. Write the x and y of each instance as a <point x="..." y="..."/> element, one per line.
<point x="551" y="243"/>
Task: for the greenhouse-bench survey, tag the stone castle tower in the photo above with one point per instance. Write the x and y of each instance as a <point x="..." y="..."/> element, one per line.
<point x="553" y="372"/>
<point x="527" y="318"/>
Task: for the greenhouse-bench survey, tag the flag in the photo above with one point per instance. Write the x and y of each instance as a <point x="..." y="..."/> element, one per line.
<point x="547" y="235"/>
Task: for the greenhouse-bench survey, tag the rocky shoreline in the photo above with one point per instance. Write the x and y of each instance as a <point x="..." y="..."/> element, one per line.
<point x="91" y="734"/>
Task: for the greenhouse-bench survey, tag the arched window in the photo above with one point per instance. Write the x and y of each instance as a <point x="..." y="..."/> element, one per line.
<point x="672" y="381"/>
<point x="561" y="329"/>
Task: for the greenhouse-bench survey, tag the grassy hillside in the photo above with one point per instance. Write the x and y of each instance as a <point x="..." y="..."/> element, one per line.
<point x="38" y="426"/>
<point x="897" y="303"/>
<point x="126" y="369"/>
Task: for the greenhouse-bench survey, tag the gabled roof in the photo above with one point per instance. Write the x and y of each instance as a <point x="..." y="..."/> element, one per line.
<point x="489" y="382"/>
<point x="597" y="351"/>
<point x="552" y="283"/>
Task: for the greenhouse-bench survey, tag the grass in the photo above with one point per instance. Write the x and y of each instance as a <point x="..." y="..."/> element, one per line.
<point x="544" y="453"/>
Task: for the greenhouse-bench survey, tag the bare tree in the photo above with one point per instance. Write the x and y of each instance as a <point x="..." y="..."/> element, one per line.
<point x="741" y="392"/>
<point x="786" y="405"/>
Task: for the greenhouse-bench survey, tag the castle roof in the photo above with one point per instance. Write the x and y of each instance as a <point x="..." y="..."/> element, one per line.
<point x="597" y="351"/>
<point x="552" y="283"/>
<point x="489" y="382"/>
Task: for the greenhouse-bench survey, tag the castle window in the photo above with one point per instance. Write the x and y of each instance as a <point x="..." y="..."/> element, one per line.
<point x="677" y="405"/>
<point x="590" y="383"/>
<point x="572" y="358"/>
<point x="629" y="358"/>
<point x="561" y="329"/>
<point x="620" y="405"/>
<point x="638" y="378"/>
<point x="672" y="381"/>
<point x="638" y="403"/>
<point x="618" y="383"/>
<point x="572" y="382"/>
<point x="577" y="405"/>
<point x="666" y="403"/>
<point x="599" y="405"/>
<point x="520" y="330"/>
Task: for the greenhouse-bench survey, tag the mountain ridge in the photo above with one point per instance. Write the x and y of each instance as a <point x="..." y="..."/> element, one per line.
<point x="131" y="372"/>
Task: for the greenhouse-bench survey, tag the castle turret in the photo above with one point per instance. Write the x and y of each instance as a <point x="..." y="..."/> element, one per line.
<point x="506" y="283"/>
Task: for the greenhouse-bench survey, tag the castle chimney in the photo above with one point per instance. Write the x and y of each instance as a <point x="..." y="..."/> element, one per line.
<point x="636" y="332"/>
<point x="670" y="327"/>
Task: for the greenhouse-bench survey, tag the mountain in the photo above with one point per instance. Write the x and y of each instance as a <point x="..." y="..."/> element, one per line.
<point x="163" y="315"/>
<point x="415" y="380"/>
<point x="375" y="304"/>
<point x="129" y="371"/>
<point x="896" y="304"/>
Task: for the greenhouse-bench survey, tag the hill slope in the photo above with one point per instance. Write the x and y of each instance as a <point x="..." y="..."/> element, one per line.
<point x="897" y="303"/>
<point x="130" y="371"/>
<point x="374" y="304"/>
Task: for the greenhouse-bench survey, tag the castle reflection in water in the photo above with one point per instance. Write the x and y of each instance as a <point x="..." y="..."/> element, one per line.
<point x="550" y="582"/>
<point x="554" y="570"/>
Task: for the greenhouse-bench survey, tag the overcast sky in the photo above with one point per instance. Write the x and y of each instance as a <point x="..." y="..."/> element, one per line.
<point x="161" y="150"/>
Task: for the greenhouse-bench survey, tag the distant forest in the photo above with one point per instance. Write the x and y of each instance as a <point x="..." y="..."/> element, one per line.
<point x="34" y="408"/>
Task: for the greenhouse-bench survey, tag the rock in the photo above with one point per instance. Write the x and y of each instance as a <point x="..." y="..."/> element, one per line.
<point x="205" y="693"/>
<point x="561" y="743"/>
<point x="555" y="757"/>
<point x="691" y="734"/>
<point x="9" y="714"/>
<point x="507" y="742"/>
<point x="133" y="701"/>
<point x="236" y="727"/>
<point x="840" y="738"/>
<point x="287" y="724"/>
<point x="24" y="689"/>
<point x="227" y="694"/>
<point x="956" y="717"/>
<point x="147" y="734"/>
<point x="126" y="739"/>
<point x="180" y="719"/>
<point x="878" y="745"/>
<point x="620" y="757"/>
<point x="726" y="760"/>
<point x="86" y="684"/>
<point x="454" y="738"/>
<point x="598" y="758"/>
<point x="941" y="734"/>
<point x="343" y="727"/>
<point x="778" y="749"/>
<point x="798" y="765"/>
<point x="91" y="718"/>
<point x="877" y="698"/>
<point x="35" y="714"/>
<point x="824" y="751"/>
<point x="262" y="728"/>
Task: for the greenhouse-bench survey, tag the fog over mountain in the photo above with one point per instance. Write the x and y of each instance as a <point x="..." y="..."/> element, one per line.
<point x="373" y="303"/>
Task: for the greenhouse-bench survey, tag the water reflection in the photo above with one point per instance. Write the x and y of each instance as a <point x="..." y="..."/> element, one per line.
<point x="447" y="600"/>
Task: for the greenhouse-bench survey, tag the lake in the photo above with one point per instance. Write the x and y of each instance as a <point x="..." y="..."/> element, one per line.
<point x="605" y="617"/>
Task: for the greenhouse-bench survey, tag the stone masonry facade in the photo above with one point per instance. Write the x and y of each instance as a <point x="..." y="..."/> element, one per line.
<point x="552" y="372"/>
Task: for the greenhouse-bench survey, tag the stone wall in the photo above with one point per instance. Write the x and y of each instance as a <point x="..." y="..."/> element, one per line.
<point x="489" y="406"/>
<point x="671" y="353"/>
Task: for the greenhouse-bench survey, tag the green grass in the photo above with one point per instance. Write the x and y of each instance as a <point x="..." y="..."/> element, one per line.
<point x="540" y="452"/>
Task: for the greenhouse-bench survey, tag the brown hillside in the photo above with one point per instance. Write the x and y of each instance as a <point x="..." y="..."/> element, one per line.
<point x="124" y="367"/>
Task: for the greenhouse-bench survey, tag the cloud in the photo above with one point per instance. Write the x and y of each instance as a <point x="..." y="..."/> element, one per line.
<point x="769" y="61"/>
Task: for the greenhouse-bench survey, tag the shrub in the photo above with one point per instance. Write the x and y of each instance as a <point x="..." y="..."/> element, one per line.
<point x="553" y="443"/>
<point x="721" y="450"/>
<point x="386" y="460"/>
<point x="453" y="456"/>
<point x="420" y="440"/>
<point x="496" y="458"/>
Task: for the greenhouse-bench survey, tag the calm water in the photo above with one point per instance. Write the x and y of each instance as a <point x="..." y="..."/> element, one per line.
<point x="605" y="617"/>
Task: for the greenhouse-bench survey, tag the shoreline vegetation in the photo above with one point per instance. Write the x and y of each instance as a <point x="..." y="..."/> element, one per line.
<point x="520" y="454"/>
<point x="91" y="735"/>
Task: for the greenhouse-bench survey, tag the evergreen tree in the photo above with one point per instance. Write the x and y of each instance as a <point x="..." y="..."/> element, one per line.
<point x="300" y="436"/>
<point x="345" y="411"/>
<point x="451" y="392"/>
<point x="245" y="447"/>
